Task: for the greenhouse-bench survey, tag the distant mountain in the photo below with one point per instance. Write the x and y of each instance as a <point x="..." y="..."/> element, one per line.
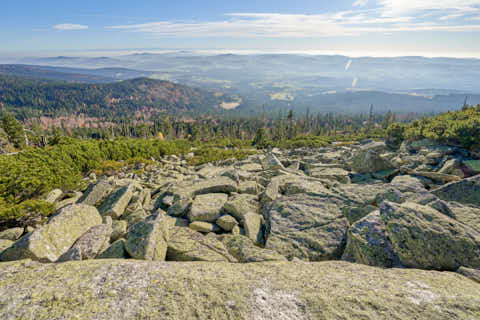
<point x="142" y="96"/>
<point x="102" y="75"/>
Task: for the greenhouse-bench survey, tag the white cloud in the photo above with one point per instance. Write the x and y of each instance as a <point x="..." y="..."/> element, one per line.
<point x="360" y="3"/>
<point x="69" y="26"/>
<point x="389" y="16"/>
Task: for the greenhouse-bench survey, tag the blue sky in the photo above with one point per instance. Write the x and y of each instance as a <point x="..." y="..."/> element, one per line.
<point x="354" y="27"/>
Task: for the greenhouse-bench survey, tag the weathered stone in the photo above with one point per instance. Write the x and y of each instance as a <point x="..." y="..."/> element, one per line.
<point x="147" y="240"/>
<point x="239" y="205"/>
<point x="367" y="243"/>
<point x="252" y="224"/>
<point x="4" y="244"/>
<point x="336" y="174"/>
<point x="135" y="217"/>
<point x="119" y="230"/>
<point x="472" y="274"/>
<point x="96" y="193"/>
<point x="466" y="191"/>
<point x="226" y="222"/>
<point x="188" y="245"/>
<point x="368" y="159"/>
<point x="307" y="227"/>
<point x="204" y="227"/>
<point x="424" y="238"/>
<point x="219" y="184"/>
<point x="90" y="244"/>
<point x="248" y="187"/>
<point x="53" y="196"/>
<point x="207" y="207"/>
<point x="12" y="234"/>
<point x="180" y="208"/>
<point x="73" y="198"/>
<point x="128" y="289"/>
<point x="115" y="251"/>
<point x="271" y="162"/>
<point x="243" y="249"/>
<point x="49" y="242"/>
<point x="116" y="203"/>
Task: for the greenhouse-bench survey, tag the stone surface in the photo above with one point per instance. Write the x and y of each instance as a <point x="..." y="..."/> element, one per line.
<point x="245" y="251"/>
<point x="49" y="242"/>
<point x="119" y="230"/>
<point x="129" y="289"/>
<point x="226" y="222"/>
<point x="53" y="196"/>
<point x="12" y="234"/>
<point x="252" y="224"/>
<point x="4" y="244"/>
<point x="95" y="193"/>
<point x="239" y="205"/>
<point x="147" y="240"/>
<point x="115" y="251"/>
<point x="219" y="184"/>
<point x="207" y="207"/>
<point x="189" y="245"/>
<point x="466" y="191"/>
<point x="204" y="227"/>
<point x="116" y="203"/>
<point x="424" y="238"/>
<point x="306" y="227"/>
<point x="90" y="244"/>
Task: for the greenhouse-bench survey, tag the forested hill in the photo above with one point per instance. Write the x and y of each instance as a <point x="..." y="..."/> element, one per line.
<point x="30" y="98"/>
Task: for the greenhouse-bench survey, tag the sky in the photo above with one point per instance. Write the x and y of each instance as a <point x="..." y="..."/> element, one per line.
<point x="350" y="27"/>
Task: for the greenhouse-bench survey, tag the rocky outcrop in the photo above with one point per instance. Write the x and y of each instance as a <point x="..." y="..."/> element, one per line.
<point x="122" y="289"/>
<point x="466" y="191"/>
<point x="49" y="242"/>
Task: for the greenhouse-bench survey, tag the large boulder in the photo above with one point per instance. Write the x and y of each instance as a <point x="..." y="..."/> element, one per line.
<point x="207" y="207"/>
<point x="189" y="245"/>
<point x="115" y="251"/>
<point x="244" y="250"/>
<point x="226" y="222"/>
<point x="307" y="227"/>
<point x="95" y="193"/>
<point x="116" y="203"/>
<point x="49" y="242"/>
<point x="4" y="244"/>
<point x="147" y="240"/>
<point x="368" y="243"/>
<point x="89" y="245"/>
<point x="466" y="191"/>
<point x="424" y="238"/>
<point x="253" y="226"/>
<point x="368" y="159"/>
<point x="239" y="205"/>
<point x="130" y="289"/>
<point x="12" y="234"/>
<point x="191" y="189"/>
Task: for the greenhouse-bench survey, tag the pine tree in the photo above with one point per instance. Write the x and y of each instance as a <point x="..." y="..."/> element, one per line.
<point x="14" y="130"/>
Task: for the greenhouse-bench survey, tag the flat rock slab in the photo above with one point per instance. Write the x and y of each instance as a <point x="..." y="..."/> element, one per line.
<point x="207" y="207"/>
<point x="122" y="289"/>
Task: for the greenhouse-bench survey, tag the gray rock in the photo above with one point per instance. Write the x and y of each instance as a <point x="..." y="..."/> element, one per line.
<point x="204" y="227"/>
<point x="116" y="203"/>
<point x="180" y="208"/>
<point x="239" y="205"/>
<point x="115" y="251"/>
<point x="252" y="224"/>
<point x="207" y="207"/>
<point x="119" y="230"/>
<point x="147" y="240"/>
<point x="89" y="245"/>
<point x="53" y="196"/>
<point x="96" y="193"/>
<point x="49" y="242"/>
<point x="188" y="245"/>
<point x="226" y="222"/>
<point x="4" y="244"/>
<point x="466" y="191"/>
<point x="243" y="249"/>
<point x="12" y="234"/>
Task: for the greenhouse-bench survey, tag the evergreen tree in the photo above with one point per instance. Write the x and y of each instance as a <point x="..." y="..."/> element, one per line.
<point x="14" y="130"/>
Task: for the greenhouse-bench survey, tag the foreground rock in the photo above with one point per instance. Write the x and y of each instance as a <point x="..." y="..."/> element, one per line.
<point x="119" y="289"/>
<point x="466" y="191"/>
<point x="50" y="241"/>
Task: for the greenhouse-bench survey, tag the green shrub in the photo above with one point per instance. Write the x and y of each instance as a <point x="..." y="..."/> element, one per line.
<point x="27" y="213"/>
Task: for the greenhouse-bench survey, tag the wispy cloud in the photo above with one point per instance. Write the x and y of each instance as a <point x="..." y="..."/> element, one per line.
<point x="386" y="17"/>
<point x="69" y="27"/>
